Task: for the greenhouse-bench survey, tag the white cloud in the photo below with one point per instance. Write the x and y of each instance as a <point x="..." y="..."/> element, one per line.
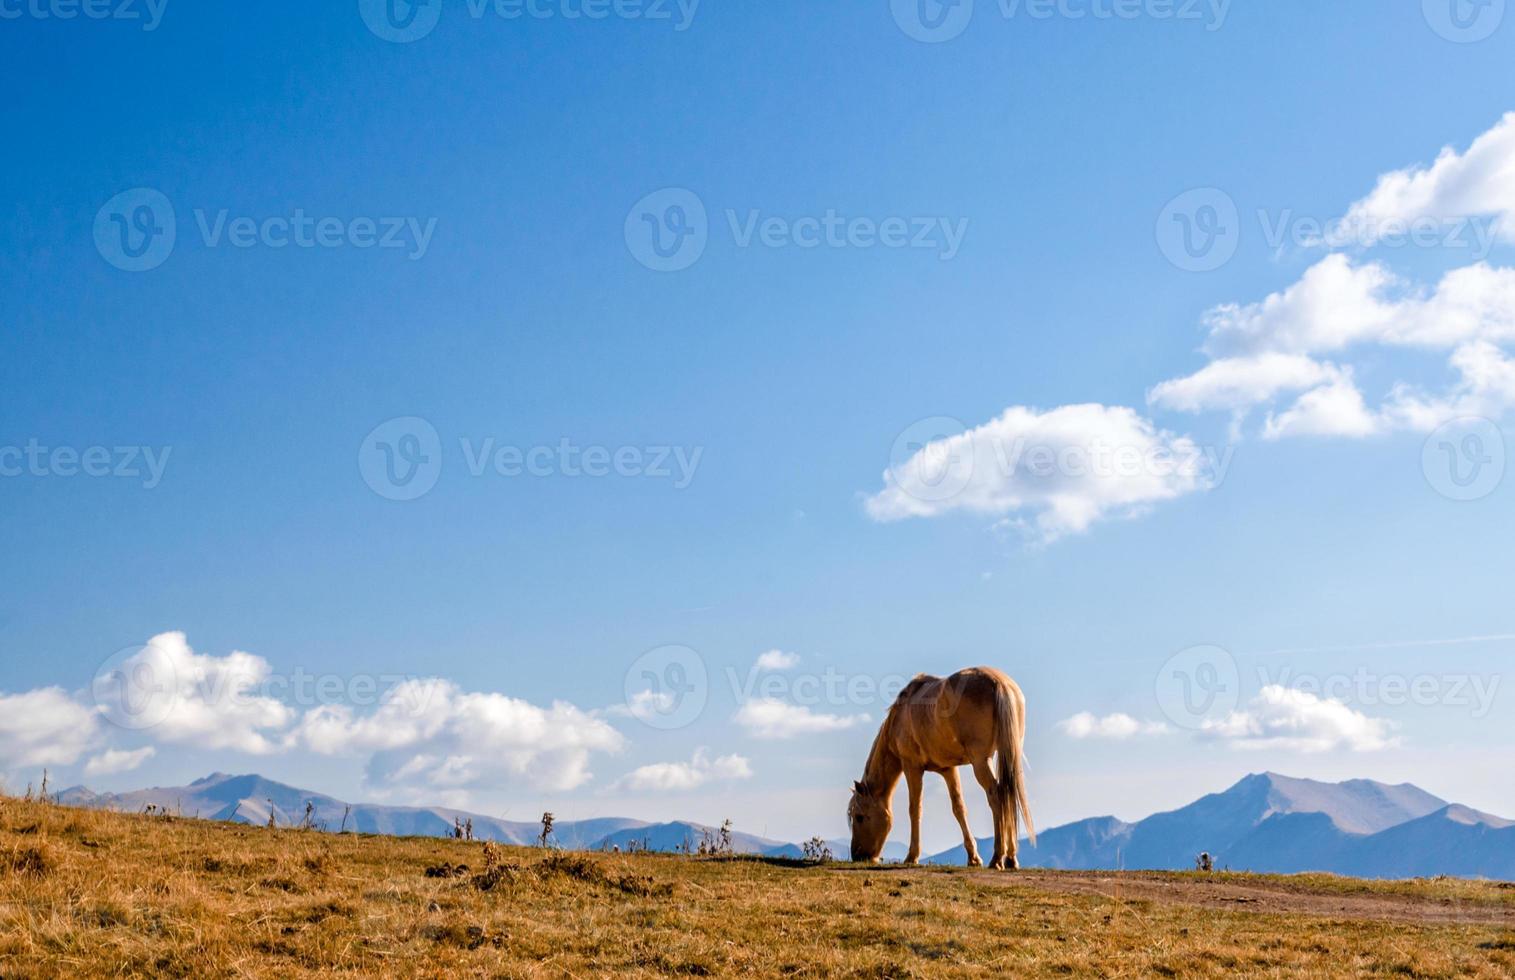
<point x="1266" y="349"/>
<point x="1485" y="387"/>
<point x="1334" y="409"/>
<point x="647" y="705"/>
<point x="1285" y="718"/>
<point x="777" y="660"/>
<point x="118" y="760"/>
<point x="1064" y="469"/>
<point x="197" y="699"/>
<point x="432" y="734"/>
<point x="45" y="727"/>
<point x="1333" y="305"/>
<point x="677" y="776"/>
<point x="1480" y="182"/>
<point x="1230" y="383"/>
<point x="771" y="718"/>
<point x="1116" y="726"/>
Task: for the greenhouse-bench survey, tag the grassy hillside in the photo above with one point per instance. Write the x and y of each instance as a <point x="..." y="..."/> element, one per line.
<point x="93" y="893"/>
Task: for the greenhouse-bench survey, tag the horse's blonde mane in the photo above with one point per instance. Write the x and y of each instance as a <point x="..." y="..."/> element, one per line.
<point x="881" y="749"/>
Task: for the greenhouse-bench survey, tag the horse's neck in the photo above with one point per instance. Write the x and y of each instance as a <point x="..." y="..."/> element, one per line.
<point x="884" y="769"/>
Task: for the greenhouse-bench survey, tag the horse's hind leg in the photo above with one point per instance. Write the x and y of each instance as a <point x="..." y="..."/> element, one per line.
<point x="987" y="780"/>
<point x="955" y="792"/>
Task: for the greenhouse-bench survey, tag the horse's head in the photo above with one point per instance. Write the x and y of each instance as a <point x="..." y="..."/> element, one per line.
<point x="870" y="819"/>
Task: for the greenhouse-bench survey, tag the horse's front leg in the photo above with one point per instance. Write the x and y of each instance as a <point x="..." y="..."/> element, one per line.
<point x="913" y="780"/>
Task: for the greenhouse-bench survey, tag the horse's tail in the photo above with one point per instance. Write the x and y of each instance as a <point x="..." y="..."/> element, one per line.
<point x="1010" y="726"/>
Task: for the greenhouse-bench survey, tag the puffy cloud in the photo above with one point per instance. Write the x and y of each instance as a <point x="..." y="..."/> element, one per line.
<point x="777" y="660"/>
<point x="1231" y="383"/>
<point x="432" y="734"/>
<point x="46" y="727"/>
<point x="1334" y="409"/>
<point x="1266" y="349"/>
<point x="677" y="776"/>
<point x="1285" y="718"/>
<point x="1054" y="472"/>
<point x="1116" y="726"/>
<point x="1337" y="304"/>
<point x="176" y="695"/>
<point x="1486" y="387"/>
<point x="1333" y="305"/>
<point x="770" y="718"/>
<point x="1476" y="183"/>
<point x="647" y="705"/>
<point x="118" y="760"/>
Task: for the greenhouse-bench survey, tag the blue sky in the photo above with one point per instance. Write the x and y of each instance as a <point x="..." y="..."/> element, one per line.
<point x="528" y="150"/>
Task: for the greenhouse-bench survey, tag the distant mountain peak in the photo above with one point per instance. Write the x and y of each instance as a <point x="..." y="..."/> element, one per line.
<point x="1268" y="821"/>
<point x="213" y="778"/>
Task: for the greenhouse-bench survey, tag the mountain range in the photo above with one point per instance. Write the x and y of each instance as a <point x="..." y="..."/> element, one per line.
<point x="1265" y="823"/>
<point x="249" y="799"/>
<point x="1272" y="823"/>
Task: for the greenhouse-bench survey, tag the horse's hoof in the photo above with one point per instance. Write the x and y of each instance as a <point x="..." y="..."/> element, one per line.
<point x="1012" y="865"/>
<point x="975" y="862"/>
<point x="912" y="862"/>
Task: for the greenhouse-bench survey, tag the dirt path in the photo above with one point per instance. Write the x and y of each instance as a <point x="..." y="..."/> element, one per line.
<point x="1263" y="897"/>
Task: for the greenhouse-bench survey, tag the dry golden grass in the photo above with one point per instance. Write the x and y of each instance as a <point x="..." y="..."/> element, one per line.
<point x="95" y="894"/>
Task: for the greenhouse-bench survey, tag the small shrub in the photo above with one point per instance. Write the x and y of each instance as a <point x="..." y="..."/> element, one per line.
<point x="497" y="870"/>
<point x="30" y="861"/>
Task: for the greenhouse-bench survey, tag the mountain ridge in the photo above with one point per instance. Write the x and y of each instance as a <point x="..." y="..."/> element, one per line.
<point x="1267" y="822"/>
<point x="251" y="799"/>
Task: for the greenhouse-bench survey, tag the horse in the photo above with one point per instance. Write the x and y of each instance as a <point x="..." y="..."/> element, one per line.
<point x="935" y="725"/>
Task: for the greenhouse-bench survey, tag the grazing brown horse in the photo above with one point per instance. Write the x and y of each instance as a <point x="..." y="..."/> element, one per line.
<point x="936" y="725"/>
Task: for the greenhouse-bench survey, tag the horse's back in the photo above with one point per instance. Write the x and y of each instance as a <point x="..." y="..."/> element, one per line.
<point x="949" y="720"/>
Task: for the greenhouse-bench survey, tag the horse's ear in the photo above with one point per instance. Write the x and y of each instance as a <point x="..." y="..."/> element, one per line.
<point x="860" y="788"/>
